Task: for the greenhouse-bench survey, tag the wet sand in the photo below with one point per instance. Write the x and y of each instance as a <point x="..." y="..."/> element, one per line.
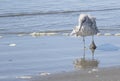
<point x="103" y="74"/>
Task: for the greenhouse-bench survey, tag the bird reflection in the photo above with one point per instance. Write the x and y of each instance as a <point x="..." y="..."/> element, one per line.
<point x="83" y="63"/>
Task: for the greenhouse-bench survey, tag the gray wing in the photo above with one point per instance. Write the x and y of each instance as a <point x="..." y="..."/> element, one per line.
<point x="94" y="26"/>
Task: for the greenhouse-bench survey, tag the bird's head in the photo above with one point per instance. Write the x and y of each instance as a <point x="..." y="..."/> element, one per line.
<point x="83" y="18"/>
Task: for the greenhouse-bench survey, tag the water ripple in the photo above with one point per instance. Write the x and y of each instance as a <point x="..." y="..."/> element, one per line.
<point x="53" y="12"/>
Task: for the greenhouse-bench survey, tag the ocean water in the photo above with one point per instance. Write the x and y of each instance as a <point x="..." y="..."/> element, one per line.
<point x="32" y="56"/>
<point x="26" y="16"/>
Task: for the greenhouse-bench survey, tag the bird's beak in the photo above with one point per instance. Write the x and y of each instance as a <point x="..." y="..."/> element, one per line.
<point x="81" y="25"/>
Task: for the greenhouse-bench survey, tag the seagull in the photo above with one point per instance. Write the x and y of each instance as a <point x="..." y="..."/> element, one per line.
<point x="86" y="27"/>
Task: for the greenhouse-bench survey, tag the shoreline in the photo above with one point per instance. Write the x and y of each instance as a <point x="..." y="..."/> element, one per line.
<point x="95" y="74"/>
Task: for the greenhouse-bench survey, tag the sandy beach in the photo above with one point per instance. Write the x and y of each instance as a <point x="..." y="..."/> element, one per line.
<point x="106" y="74"/>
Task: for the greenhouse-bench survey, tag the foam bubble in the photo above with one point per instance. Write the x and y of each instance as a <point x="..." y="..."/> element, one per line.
<point x="12" y="44"/>
<point x="35" y="34"/>
<point x="44" y="74"/>
<point x="117" y="34"/>
<point x="99" y="34"/>
<point x="24" y="77"/>
<point x="1" y="36"/>
<point x="108" y="34"/>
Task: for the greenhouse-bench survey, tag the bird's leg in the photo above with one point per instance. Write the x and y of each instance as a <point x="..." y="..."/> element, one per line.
<point x="92" y="50"/>
<point x="84" y="47"/>
<point x="84" y="54"/>
<point x="84" y="41"/>
<point x="93" y="38"/>
<point x="93" y="56"/>
<point x="92" y="45"/>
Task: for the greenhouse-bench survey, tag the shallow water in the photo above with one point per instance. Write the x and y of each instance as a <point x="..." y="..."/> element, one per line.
<point x="52" y="54"/>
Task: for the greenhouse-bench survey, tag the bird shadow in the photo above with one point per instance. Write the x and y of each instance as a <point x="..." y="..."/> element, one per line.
<point x="84" y="63"/>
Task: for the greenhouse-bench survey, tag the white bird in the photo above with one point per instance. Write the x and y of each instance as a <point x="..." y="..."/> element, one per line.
<point x="86" y="27"/>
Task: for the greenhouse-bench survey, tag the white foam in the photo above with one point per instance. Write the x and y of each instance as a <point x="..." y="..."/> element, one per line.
<point x="99" y="34"/>
<point x="117" y="34"/>
<point x="1" y="36"/>
<point x="95" y="70"/>
<point x="35" y="34"/>
<point x="44" y="74"/>
<point x="108" y="34"/>
<point x="24" y="77"/>
<point x="12" y="44"/>
<point x="21" y="35"/>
